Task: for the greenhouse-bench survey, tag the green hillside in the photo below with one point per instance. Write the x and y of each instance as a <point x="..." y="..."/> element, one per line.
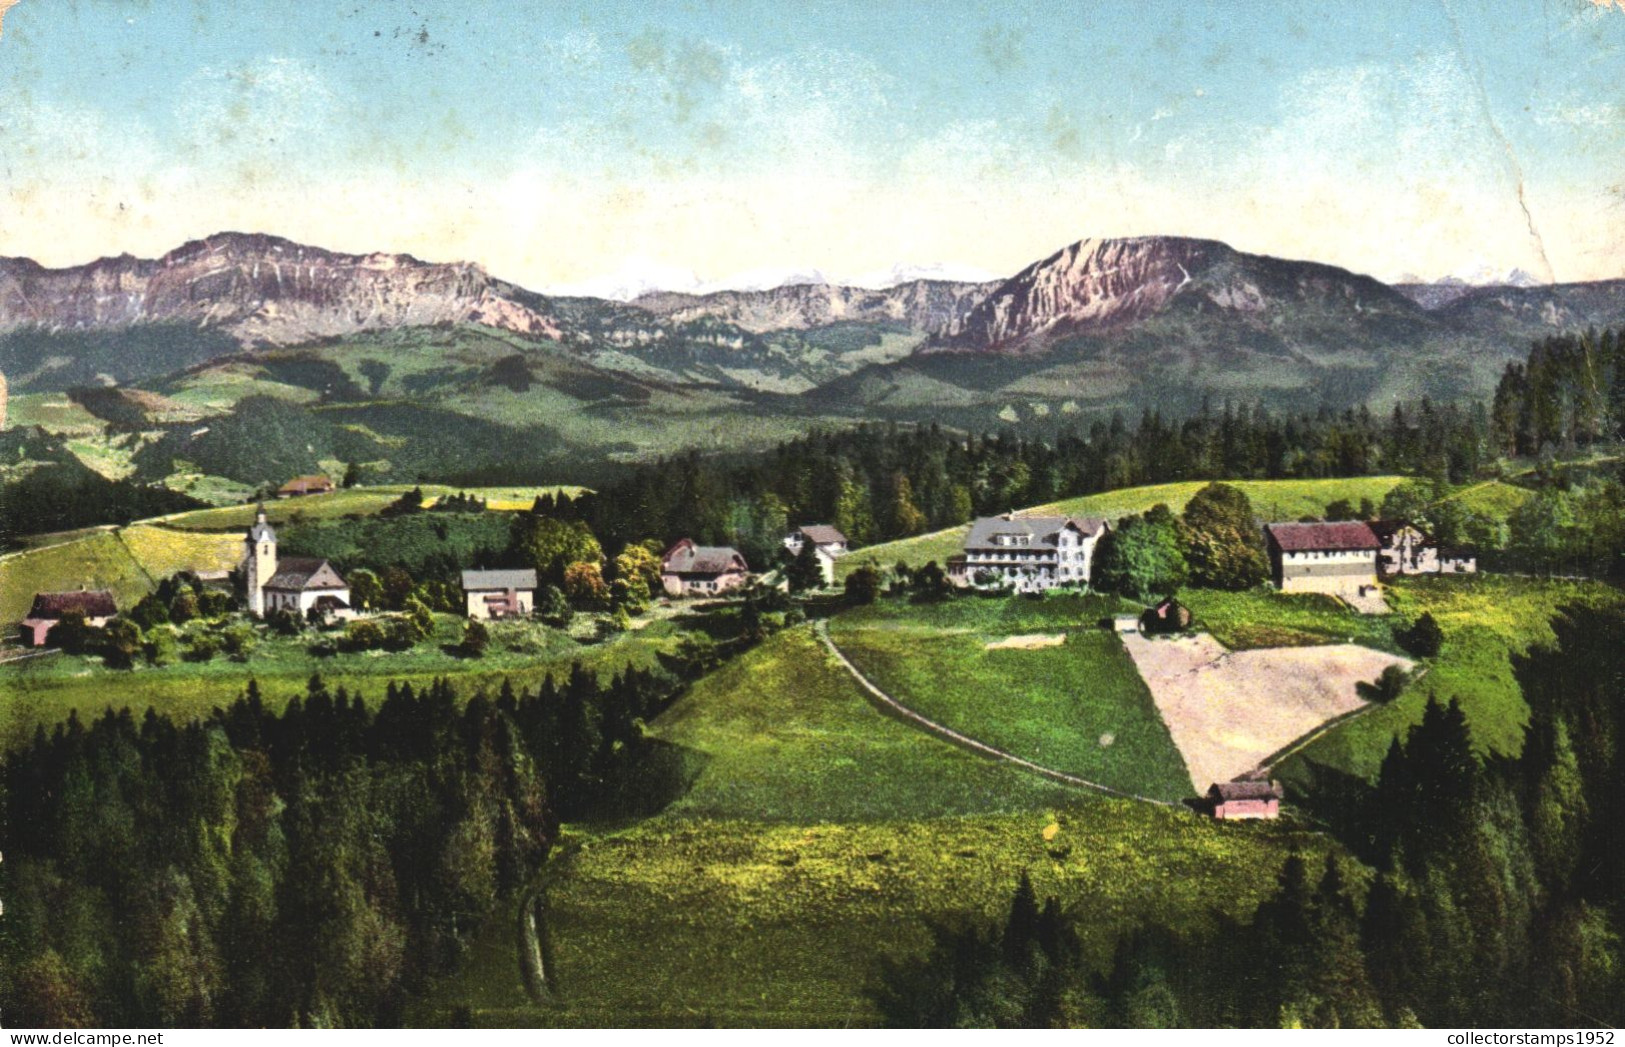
<point x="1079" y="706"/>
<point x="1486" y="619"/>
<point x="815" y="823"/>
<point x="97" y="561"/>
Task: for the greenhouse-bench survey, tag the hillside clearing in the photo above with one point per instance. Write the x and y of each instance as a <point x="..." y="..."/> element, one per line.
<point x="1229" y="710"/>
<point x="812" y="822"/>
<point x="1047" y="704"/>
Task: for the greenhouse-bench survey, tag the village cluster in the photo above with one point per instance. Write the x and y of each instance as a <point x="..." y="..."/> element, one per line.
<point x="1011" y="553"/>
<point x="1025" y="554"/>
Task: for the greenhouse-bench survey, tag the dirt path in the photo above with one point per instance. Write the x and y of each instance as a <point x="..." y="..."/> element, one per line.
<point x="892" y="705"/>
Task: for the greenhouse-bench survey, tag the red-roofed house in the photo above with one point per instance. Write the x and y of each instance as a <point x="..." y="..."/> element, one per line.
<point x="305" y="485"/>
<point x="1339" y="559"/>
<point x="95" y="604"/>
<point x="702" y="570"/>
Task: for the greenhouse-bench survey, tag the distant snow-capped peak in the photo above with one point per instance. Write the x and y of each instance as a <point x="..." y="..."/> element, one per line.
<point x="906" y="274"/>
<point x="638" y="277"/>
<point x="1480" y="275"/>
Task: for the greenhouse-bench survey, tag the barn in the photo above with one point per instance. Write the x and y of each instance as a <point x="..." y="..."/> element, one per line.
<point x="1245" y="799"/>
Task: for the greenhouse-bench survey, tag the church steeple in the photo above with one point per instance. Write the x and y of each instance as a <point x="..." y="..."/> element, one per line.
<point x="259" y="563"/>
<point x="261" y="531"/>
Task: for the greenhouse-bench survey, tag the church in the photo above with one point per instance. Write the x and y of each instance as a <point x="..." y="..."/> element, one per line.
<point x="291" y="583"/>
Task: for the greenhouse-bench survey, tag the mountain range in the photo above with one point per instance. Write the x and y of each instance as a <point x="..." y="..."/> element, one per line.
<point x="1101" y="325"/>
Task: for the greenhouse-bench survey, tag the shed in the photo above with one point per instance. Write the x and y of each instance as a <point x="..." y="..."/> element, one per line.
<point x="1247" y="798"/>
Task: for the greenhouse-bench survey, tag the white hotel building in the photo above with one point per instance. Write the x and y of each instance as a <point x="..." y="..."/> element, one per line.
<point x="1029" y="553"/>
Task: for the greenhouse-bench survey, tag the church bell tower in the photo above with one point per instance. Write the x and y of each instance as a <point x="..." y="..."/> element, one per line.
<point x="259" y="563"/>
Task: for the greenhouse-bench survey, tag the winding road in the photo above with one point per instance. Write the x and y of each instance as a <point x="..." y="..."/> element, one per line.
<point x="948" y="734"/>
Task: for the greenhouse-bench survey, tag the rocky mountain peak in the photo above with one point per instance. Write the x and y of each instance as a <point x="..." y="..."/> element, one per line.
<point x="1093" y="284"/>
<point x="265" y="289"/>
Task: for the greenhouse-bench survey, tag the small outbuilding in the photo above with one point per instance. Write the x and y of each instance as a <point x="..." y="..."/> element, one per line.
<point x="1245" y="799"/>
<point x="499" y="594"/>
<point x="302" y="485"/>
<point x="1169" y="616"/>
<point x="96" y="605"/>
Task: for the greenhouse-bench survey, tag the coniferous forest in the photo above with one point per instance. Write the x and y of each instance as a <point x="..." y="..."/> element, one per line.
<point x="304" y="868"/>
<point x="879" y="482"/>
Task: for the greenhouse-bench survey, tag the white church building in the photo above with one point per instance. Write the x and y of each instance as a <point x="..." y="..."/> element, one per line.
<point x="291" y="583"/>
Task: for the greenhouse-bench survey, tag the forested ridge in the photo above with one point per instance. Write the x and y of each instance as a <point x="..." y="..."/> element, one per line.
<point x="879" y="482"/>
<point x="309" y="867"/>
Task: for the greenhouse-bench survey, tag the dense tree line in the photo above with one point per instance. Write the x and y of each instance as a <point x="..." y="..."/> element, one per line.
<point x="44" y="488"/>
<point x="878" y="482"/>
<point x="1569" y="393"/>
<point x="1494" y="895"/>
<point x="304" y="867"/>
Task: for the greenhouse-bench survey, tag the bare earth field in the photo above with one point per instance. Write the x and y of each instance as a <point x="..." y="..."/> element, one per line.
<point x="1228" y="710"/>
<point x="1028" y="642"/>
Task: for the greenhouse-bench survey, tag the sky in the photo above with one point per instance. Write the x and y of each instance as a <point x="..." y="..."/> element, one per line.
<point x="569" y="145"/>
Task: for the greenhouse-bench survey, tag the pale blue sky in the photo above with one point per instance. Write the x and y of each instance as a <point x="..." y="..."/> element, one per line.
<point x="555" y="142"/>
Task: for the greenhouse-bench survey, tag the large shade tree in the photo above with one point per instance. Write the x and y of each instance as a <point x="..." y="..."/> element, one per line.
<point x="1143" y="557"/>
<point x="1223" y="543"/>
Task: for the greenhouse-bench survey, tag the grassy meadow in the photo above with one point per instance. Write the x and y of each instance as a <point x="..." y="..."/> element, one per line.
<point x="677" y="922"/>
<point x="820" y="836"/>
<point x="1078" y="707"/>
<point x="784" y="734"/>
<point x="95" y="561"/>
<point x="1486" y="619"/>
<point x="362" y="501"/>
<point x="1263" y="617"/>
<point x="1495" y="499"/>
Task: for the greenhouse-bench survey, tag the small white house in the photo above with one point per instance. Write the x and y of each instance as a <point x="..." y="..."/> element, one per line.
<point x="829" y="543"/>
<point x="1407" y="550"/>
<point x="499" y="594"/>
